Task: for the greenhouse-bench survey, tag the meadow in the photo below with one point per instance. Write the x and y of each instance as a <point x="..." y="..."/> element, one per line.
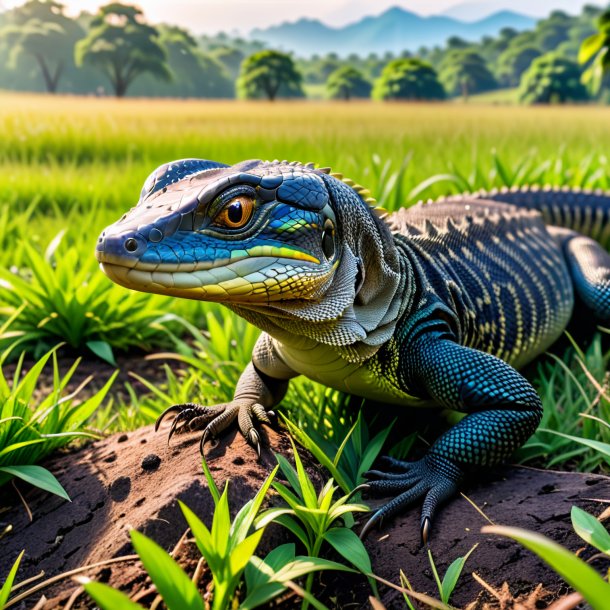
<point x="71" y="166"/>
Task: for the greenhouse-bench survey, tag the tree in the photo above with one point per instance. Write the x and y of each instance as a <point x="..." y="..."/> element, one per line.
<point x="123" y="47"/>
<point x="408" y="79"/>
<point x="347" y="82"/>
<point x="514" y="62"/>
<point x="595" y="51"/>
<point x="194" y="73"/>
<point x="264" y="73"/>
<point x="465" y="72"/>
<point x="552" y="79"/>
<point x="41" y="31"/>
<point x="230" y="58"/>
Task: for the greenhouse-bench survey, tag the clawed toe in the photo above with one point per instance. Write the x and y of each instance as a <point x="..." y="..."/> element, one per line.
<point x="432" y="478"/>
<point x="214" y="420"/>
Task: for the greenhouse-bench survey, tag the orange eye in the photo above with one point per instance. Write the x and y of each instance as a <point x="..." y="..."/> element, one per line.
<point x="236" y="213"/>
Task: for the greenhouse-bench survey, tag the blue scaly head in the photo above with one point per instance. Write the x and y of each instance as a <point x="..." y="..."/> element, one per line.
<point x="269" y="239"/>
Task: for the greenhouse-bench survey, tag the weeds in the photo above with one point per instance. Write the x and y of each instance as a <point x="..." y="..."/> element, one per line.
<point x="312" y="517"/>
<point x="67" y="299"/>
<point x="576" y="406"/>
<point x="32" y="428"/>
<point x="576" y="572"/>
<point x="228" y="548"/>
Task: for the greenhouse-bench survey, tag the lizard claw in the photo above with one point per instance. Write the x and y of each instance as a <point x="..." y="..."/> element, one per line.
<point x="433" y="479"/>
<point x="425" y="530"/>
<point x="377" y="518"/>
<point x="172" y="409"/>
<point x="254" y="439"/>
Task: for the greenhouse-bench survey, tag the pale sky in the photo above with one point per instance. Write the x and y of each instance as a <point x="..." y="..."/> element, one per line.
<point x="210" y="16"/>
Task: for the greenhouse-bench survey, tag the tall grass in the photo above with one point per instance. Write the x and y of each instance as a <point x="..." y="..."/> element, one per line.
<point x="78" y="164"/>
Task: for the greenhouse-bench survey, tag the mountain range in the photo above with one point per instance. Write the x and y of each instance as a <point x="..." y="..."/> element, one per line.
<point x="395" y="30"/>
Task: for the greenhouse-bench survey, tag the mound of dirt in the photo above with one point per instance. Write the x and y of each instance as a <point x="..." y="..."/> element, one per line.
<point x="134" y="481"/>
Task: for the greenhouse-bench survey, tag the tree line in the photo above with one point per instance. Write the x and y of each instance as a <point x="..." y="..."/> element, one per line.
<point x="41" y="48"/>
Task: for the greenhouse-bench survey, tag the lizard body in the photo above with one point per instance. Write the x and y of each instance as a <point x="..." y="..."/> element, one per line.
<point x="437" y="304"/>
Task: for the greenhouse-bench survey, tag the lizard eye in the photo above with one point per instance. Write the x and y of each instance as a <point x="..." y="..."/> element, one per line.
<point x="236" y="213"/>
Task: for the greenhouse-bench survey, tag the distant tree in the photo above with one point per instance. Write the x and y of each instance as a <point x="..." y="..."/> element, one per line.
<point x="319" y="71"/>
<point x="346" y="83"/>
<point x="230" y="58"/>
<point x="552" y="79"/>
<point x="41" y="31"/>
<point x="408" y="79"/>
<point x="591" y="12"/>
<point x="595" y="51"/>
<point x="194" y="73"/>
<point x="123" y="47"/>
<point x="264" y="73"/>
<point x="464" y="73"/>
<point x="514" y="62"/>
<point x="455" y="42"/>
<point x="553" y="30"/>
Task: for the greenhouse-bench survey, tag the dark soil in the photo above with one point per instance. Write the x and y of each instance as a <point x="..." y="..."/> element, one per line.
<point x="134" y="480"/>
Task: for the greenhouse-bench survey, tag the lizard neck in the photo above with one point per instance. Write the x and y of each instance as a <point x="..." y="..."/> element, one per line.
<point x="370" y="290"/>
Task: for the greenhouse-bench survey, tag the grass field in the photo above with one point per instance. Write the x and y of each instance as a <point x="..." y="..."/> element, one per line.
<point x="73" y="165"/>
<point x="70" y="166"/>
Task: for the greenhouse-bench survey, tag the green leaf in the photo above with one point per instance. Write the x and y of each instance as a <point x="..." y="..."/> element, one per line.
<point x="590" y="46"/>
<point x="349" y="546"/>
<point x="304" y="565"/>
<point x="243" y="551"/>
<point x="211" y="483"/>
<point x="452" y="575"/>
<point x="102" y="350"/>
<point x="575" y="572"/>
<point x="20" y="445"/>
<point x="108" y="598"/>
<point x="203" y="538"/>
<point x="175" y="587"/>
<point x="261" y="595"/>
<point x="39" y="477"/>
<point x="290" y="473"/>
<point x="603" y="448"/>
<point x="590" y="530"/>
<point x="290" y="524"/>
<point x="8" y="583"/>
<point x="221" y="524"/>
<point x="318" y="453"/>
<point x="259" y="571"/>
<point x="307" y="488"/>
<point x="245" y="517"/>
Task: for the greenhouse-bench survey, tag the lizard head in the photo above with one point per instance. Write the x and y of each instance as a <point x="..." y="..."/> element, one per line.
<point x="272" y="240"/>
<point x="251" y="233"/>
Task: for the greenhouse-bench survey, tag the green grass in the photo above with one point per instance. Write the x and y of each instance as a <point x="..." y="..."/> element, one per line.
<point x="497" y="96"/>
<point x="76" y="164"/>
<point x="70" y="166"/>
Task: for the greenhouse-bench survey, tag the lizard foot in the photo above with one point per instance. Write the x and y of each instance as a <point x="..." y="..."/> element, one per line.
<point x="216" y="419"/>
<point x="433" y="478"/>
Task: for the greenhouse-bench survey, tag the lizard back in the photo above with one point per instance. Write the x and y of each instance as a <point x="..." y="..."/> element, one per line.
<point x="498" y="269"/>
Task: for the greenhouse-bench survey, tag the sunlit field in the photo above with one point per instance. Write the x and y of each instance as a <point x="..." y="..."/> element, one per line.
<point x="71" y="166"/>
<point x="73" y="151"/>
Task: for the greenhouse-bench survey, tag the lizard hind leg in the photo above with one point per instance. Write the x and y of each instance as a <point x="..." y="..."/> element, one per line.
<point x="589" y="266"/>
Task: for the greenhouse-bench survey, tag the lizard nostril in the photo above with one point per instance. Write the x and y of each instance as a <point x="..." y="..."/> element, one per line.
<point x="131" y="245"/>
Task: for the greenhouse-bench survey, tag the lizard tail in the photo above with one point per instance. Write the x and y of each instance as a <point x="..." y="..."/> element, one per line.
<point x="584" y="211"/>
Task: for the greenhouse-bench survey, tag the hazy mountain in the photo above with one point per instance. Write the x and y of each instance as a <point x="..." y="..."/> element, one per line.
<point x="393" y="30"/>
<point x="479" y="9"/>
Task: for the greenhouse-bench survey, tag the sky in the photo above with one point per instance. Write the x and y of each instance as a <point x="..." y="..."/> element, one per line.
<point x="210" y="16"/>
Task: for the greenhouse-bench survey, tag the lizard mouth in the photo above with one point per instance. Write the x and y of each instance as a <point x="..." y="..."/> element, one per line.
<point x="252" y="281"/>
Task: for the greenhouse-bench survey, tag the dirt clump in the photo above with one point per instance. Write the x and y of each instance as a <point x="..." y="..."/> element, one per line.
<point x="134" y="480"/>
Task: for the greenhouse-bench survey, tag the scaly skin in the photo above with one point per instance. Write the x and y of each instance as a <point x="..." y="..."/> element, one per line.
<point x="437" y="304"/>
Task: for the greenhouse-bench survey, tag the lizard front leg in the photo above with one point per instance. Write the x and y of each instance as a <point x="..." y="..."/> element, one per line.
<point x="255" y="393"/>
<point x="503" y="411"/>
